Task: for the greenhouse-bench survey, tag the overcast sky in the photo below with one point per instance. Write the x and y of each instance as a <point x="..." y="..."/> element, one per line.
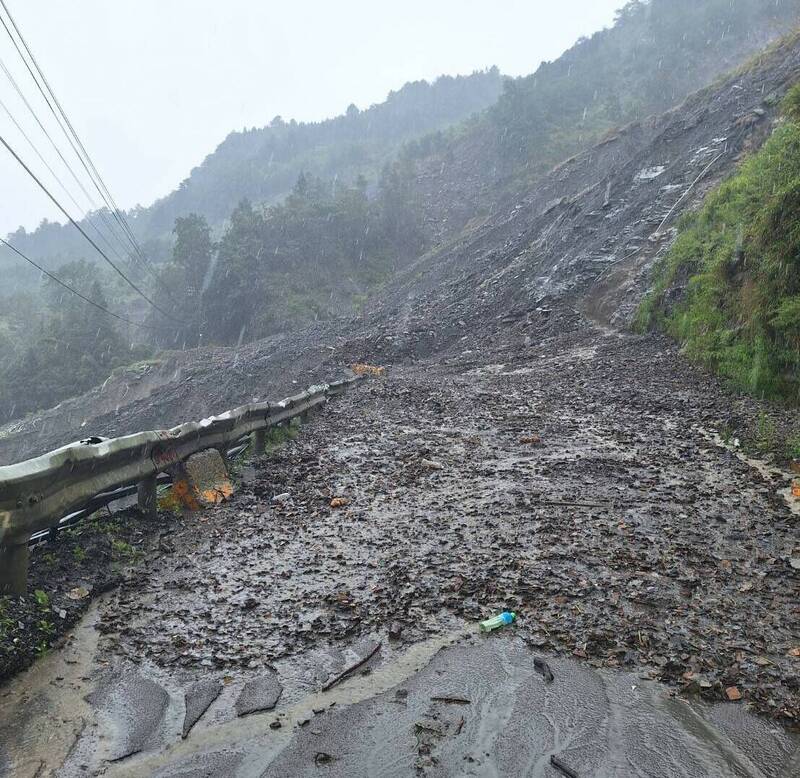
<point x="153" y="86"/>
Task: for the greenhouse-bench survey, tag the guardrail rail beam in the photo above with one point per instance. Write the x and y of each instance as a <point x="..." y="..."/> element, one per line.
<point x="37" y="493"/>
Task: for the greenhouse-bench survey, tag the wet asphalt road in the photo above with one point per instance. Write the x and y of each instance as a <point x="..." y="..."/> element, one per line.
<point x="569" y="484"/>
<point x="481" y="709"/>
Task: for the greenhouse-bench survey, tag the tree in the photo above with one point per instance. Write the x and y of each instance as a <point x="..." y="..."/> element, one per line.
<point x="236" y="291"/>
<point x="73" y="347"/>
<point x="181" y="284"/>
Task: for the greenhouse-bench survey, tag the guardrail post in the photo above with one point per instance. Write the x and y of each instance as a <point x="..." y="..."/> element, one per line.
<point x="260" y="440"/>
<point x="14" y="569"/>
<point x="147" y="497"/>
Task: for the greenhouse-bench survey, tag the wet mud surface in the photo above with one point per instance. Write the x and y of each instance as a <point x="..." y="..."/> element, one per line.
<point x="65" y="575"/>
<point x="479" y="707"/>
<point x="574" y="489"/>
<point x="566" y="483"/>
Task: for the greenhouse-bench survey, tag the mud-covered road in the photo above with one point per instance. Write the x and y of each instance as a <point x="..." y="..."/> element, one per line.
<point x="577" y="483"/>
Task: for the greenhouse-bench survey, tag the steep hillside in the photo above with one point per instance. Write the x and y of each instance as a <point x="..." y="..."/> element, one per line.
<point x="577" y="247"/>
<point x="729" y="290"/>
<point x="656" y="54"/>
<point x="590" y="231"/>
<point x="263" y="164"/>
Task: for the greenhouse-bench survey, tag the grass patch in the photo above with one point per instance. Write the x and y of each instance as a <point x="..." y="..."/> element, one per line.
<point x="278" y="436"/>
<point x="122" y="551"/>
<point x="6" y="623"/>
<point x="729" y="290"/>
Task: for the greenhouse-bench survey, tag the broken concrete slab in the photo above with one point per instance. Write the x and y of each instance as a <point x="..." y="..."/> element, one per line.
<point x="260" y="694"/>
<point x="198" y="699"/>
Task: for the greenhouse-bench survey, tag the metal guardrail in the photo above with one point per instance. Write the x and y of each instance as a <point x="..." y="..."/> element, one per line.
<point x="37" y="493"/>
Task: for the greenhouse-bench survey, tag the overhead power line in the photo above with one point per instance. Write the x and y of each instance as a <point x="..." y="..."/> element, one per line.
<point x="69" y="288"/>
<point x="52" y="172"/>
<point x="75" y="142"/>
<point x="84" y="233"/>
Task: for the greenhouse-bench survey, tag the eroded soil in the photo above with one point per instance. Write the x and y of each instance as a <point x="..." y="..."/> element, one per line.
<point x="625" y="538"/>
<point x="576" y="482"/>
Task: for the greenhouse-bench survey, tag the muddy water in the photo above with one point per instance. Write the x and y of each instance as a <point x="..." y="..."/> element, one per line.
<point x="43" y="711"/>
<point x="460" y="704"/>
<point x="456" y="704"/>
<point x="766" y="470"/>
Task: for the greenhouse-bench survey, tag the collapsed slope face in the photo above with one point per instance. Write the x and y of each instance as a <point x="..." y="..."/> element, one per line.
<point x="588" y="233"/>
<point x="656" y="54"/>
<point x="578" y="245"/>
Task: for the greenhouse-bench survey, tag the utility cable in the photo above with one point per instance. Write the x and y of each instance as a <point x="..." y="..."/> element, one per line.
<point x="49" y="137"/>
<point x="86" y="214"/>
<point x="83" y="232"/>
<point x="71" y="289"/>
<point x="83" y="157"/>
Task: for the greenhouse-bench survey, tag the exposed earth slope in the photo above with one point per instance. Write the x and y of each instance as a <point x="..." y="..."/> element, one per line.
<point x="583" y="239"/>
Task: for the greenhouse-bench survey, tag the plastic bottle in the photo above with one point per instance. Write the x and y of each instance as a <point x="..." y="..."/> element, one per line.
<point x="498" y="621"/>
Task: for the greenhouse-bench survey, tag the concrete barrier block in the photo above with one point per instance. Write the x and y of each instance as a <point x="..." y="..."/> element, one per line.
<point x="202" y="480"/>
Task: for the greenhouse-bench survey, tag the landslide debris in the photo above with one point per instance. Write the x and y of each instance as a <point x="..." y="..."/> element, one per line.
<point x="630" y="540"/>
<point x="585" y="238"/>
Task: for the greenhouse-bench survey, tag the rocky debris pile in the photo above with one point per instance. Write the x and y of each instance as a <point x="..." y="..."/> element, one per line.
<point x="622" y="537"/>
<point x="584" y="237"/>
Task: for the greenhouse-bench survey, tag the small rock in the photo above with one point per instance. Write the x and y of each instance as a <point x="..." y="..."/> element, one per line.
<point x="431" y="465"/>
<point x="78" y="593"/>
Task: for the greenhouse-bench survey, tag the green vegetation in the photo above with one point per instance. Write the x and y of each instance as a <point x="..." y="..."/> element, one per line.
<point x="277" y="436"/>
<point x="293" y="223"/>
<point x="42" y="600"/>
<point x="123" y="551"/>
<point x="45" y="630"/>
<point x="729" y="290"/>
<point x="305" y="259"/>
<point x="53" y="345"/>
<point x="79" y="554"/>
<point x="6" y="623"/>
<point x="262" y="164"/>
<point x="657" y="53"/>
